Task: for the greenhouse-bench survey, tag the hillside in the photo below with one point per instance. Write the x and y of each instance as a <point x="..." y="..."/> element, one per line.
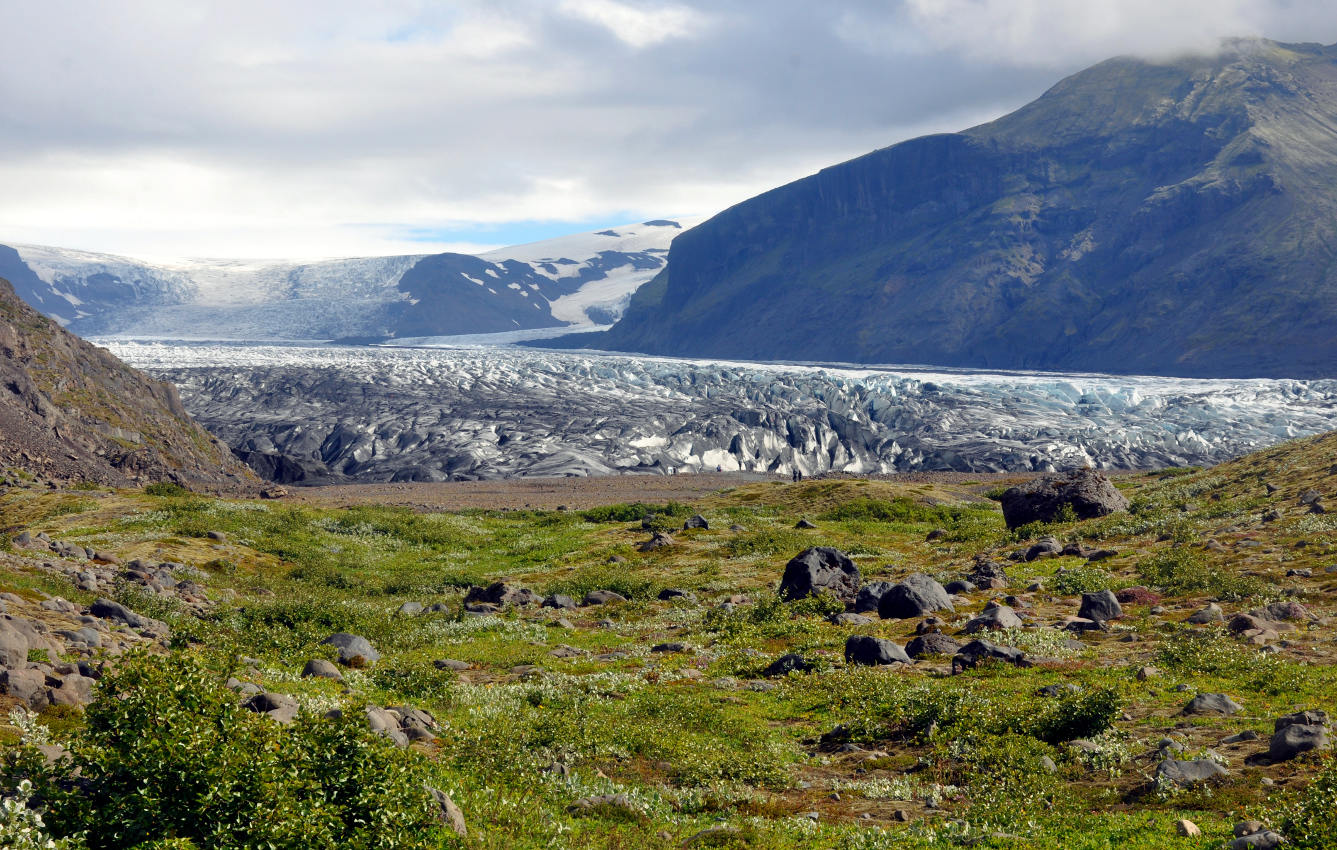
<point x="579" y="281"/>
<point x="663" y="694"/>
<point x="71" y="411"/>
<point x="1169" y="218"/>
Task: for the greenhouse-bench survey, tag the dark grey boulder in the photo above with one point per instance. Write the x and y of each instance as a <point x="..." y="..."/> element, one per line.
<point x="960" y="586"/>
<point x="559" y="600"/>
<point x="108" y="609"/>
<point x="870" y="595"/>
<point x="1294" y="739"/>
<point x="1045" y="546"/>
<point x="1212" y="704"/>
<point x="669" y="647"/>
<point x="1187" y="773"/>
<point x="280" y="707"/>
<point x="660" y="540"/>
<point x="669" y="594"/>
<point x="695" y="521"/>
<point x="933" y="643"/>
<point x="602" y="597"/>
<point x="1100" y="606"/>
<point x="410" y="609"/>
<point x="354" y="650"/>
<point x="501" y="593"/>
<point x="993" y="618"/>
<point x="1264" y="839"/>
<point x="449" y="812"/>
<point x="916" y="596"/>
<point x="451" y="664"/>
<point x="1090" y="494"/>
<point x="13" y="646"/>
<point x="1301" y="718"/>
<point x="817" y="570"/>
<point x="26" y="685"/>
<point x="988" y="574"/>
<point x="978" y="651"/>
<point x="873" y="651"/>
<point x="1211" y="613"/>
<point x="805" y="524"/>
<point x="847" y="619"/>
<point x="786" y="664"/>
<point x="319" y="668"/>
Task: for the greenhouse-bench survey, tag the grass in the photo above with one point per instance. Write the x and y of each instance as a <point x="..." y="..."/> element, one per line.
<point x="697" y="739"/>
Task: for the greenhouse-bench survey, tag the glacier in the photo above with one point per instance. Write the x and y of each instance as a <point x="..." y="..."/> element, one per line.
<point x="462" y="411"/>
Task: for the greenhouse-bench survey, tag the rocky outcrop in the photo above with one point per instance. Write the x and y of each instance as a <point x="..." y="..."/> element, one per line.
<point x="71" y="411"/>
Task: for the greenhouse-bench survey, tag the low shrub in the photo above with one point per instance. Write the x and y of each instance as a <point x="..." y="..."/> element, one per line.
<point x="1180" y="571"/>
<point x="168" y="754"/>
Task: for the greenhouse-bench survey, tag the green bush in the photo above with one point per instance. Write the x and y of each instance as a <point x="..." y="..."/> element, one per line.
<point x="1308" y="823"/>
<point x="166" y="488"/>
<point x="634" y="512"/>
<point x="169" y="755"/>
<point x="1180" y="571"/>
<point x="1084" y="714"/>
<point x="1071" y="581"/>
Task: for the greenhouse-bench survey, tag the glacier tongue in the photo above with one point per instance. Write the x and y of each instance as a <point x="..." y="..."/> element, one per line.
<point x="488" y="412"/>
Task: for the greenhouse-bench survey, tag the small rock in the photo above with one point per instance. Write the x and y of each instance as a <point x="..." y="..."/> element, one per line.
<point x="786" y="664"/>
<point x="602" y="597"/>
<point x="1187" y="828"/>
<point x="873" y="651"/>
<point x="321" y="669"/>
<point x="1186" y="773"/>
<point x="1212" y="704"/>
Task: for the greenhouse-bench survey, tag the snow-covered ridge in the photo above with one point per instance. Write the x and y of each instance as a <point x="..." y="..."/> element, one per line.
<point x="577" y="282"/>
<point x="487" y="412"/>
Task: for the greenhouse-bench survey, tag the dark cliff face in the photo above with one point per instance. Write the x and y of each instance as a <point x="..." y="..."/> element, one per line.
<point x="1174" y="219"/>
<point x="70" y="410"/>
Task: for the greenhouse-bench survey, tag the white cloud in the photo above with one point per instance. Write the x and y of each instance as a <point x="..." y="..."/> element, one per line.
<point x="638" y="27"/>
<point x="325" y="127"/>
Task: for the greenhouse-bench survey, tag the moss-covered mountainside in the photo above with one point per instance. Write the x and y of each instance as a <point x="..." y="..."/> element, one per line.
<point x="70" y="410"/>
<point x="667" y="695"/>
<point x="1172" y="218"/>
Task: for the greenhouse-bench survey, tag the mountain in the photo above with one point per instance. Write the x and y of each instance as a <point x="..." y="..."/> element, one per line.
<point x="579" y="281"/>
<point x="70" y="410"/>
<point x="1170" y="218"/>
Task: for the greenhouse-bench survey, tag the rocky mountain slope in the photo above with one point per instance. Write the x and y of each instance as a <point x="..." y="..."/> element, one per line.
<point x="70" y="410"/>
<point x="581" y="280"/>
<point x="1173" y="218"/>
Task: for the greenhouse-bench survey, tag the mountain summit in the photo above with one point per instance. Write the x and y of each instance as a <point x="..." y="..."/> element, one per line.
<point x="1175" y="218"/>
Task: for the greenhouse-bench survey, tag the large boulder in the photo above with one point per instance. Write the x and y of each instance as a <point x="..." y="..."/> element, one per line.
<point x="870" y="596"/>
<point x="978" y="651"/>
<point x="13" y="646"/>
<point x="1100" y="606"/>
<point x="1212" y="704"/>
<point x="820" y="569"/>
<point x="933" y="643"/>
<point x="1187" y="773"/>
<point x="917" y="596"/>
<point x="1302" y="732"/>
<point x="873" y="651"/>
<point x="993" y="618"/>
<point x="354" y="650"/>
<point x="1089" y="493"/>
<point x="501" y="593"/>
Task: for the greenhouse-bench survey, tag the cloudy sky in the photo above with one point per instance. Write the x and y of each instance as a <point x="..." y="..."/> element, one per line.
<point x="308" y="128"/>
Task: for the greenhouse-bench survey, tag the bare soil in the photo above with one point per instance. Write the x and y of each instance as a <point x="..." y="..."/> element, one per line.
<point x="574" y="493"/>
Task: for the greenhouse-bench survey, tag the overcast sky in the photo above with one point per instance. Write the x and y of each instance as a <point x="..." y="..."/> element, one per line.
<point x="307" y="128"/>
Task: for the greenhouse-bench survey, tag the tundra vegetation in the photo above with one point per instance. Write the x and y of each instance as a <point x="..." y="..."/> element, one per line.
<point x="657" y="719"/>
